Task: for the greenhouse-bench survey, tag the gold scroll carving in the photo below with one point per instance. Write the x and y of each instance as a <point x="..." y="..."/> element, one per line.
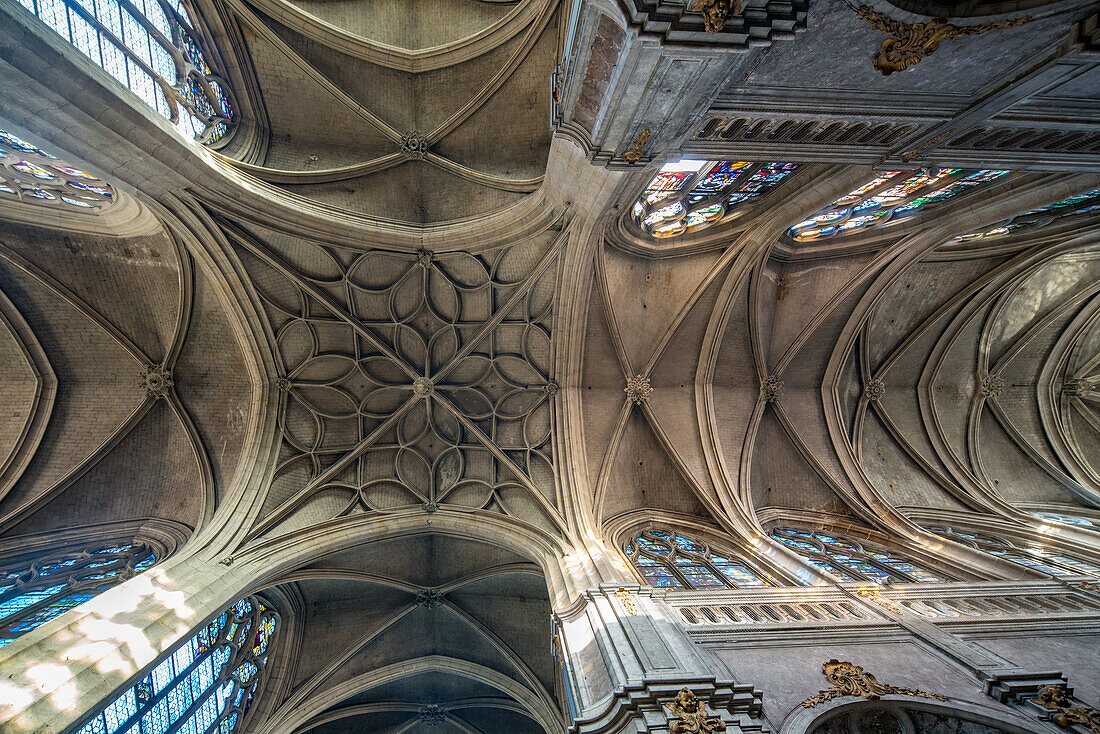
<point x="908" y="43"/>
<point x="635" y="153"/>
<point x="852" y="680"/>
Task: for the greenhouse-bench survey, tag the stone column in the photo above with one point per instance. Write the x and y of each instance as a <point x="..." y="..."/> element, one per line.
<point x="53" y="675"/>
<point x="624" y="658"/>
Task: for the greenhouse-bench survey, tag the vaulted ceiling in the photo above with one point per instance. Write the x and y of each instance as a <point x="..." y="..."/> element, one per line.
<point x="396" y="299"/>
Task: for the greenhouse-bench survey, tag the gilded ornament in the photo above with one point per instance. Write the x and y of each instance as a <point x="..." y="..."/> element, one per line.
<point x="629" y="604"/>
<point x="635" y="153"/>
<point x="852" y="680"/>
<point x="908" y="43"/>
<point x="691" y="715"/>
<point x="877" y="598"/>
<point x="716" y="12"/>
<point x="1066" y="714"/>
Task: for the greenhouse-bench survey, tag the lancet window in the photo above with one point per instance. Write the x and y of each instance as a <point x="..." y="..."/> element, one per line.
<point x="32" y="594"/>
<point x="677" y="561"/>
<point x="1080" y="204"/>
<point x="690" y="195"/>
<point x="849" y="560"/>
<point x="1034" y="556"/>
<point x="889" y="197"/>
<point x="153" y="49"/>
<point x="31" y="174"/>
<point x="205" y="685"/>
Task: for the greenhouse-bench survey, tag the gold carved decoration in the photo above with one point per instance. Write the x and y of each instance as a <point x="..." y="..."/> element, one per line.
<point x="628" y="601"/>
<point x="852" y="680"/>
<point x="691" y="715"/>
<point x="635" y="153"/>
<point x="716" y="12"/>
<point x="877" y="598"/>
<point x="1053" y="698"/>
<point x="910" y="42"/>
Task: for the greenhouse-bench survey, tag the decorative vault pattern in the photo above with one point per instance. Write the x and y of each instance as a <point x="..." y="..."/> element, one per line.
<point x="411" y="380"/>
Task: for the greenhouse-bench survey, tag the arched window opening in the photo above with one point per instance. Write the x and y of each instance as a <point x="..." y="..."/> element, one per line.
<point x="848" y="560"/>
<point x="206" y="685"/>
<point x="1080" y="204"/>
<point x="889" y="197"/>
<point x="153" y="49"/>
<point x="32" y="594"/>
<point x="1035" y="556"/>
<point x="675" y="561"/>
<point x="30" y="174"/>
<point x="690" y="195"/>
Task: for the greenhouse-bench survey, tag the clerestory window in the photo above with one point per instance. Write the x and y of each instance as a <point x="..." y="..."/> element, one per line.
<point x="1033" y="556"/>
<point x="154" y="50"/>
<point x="849" y="560"/>
<point x="206" y="685"/>
<point x="30" y="174"/>
<point x="33" y="593"/>
<point x="889" y="197"/>
<point x="1079" y="204"/>
<point x="690" y="195"/>
<point x="677" y="561"/>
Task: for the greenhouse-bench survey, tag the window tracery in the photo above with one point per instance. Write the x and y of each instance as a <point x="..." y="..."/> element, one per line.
<point x="152" y="48"/>
<point x="677" y="561"/>
<point x="206" y="684"/>
<point x="31" y="595"/>
<point x="690" y="195"/>
<point x="1085" y="203"/>
<point x="889" y="197"/>
<point x="1034" y="557"/>
<point x="848" y="560"/>
<point x="29" y="173"/>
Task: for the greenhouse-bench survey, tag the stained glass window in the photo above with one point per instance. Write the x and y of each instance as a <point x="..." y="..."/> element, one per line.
<point x="150" y="47"/>
<point x="690" y="195"/>
<point x="1067" y="519"/>
<point x="677" y="561"/>
<point x="889" y="197"/>
<point x="32" y="594"/>
<point x="1034" y="556"/>
<point x="31" y="174"/>
<point x="849" y="560"/>
<point x="1086" y="203"/>
<point x="204" y="686"/>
